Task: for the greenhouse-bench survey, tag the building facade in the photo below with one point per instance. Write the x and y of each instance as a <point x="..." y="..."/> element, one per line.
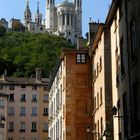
<point x="100" y="53"/>
<point x="3" y="116"/>
<point x="4" y="23"/>
<point x="123" y="18"/>
<point x="27" y="109"/>
<point x="70" y="97"/>
<point x="65" y="19"/>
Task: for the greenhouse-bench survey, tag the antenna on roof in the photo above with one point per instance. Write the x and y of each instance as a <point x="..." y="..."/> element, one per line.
<point x="90" y="19"/>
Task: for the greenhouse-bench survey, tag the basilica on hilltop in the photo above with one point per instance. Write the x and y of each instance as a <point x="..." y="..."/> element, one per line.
<point x="63" y="19"/>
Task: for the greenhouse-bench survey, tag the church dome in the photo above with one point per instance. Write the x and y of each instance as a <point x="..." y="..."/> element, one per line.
<point x="66" y="3"/>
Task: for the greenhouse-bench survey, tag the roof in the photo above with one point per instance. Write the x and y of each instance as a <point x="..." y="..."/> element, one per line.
<point x="112" y="12"/>
<point x="26" y="81"/>
<point x="66" y="3"/>
<point x="97" y="37"/>
<point x="3" y="20"/>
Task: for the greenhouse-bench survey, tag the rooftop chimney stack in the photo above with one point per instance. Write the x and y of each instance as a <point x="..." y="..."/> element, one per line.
<point x="38" y="75"/>
<point x="79" y="43"/>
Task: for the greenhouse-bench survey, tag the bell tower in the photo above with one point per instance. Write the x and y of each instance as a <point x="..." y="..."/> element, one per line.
<point x="50" y="16"/>
<point x="78" y="11"/>
<point x="38" y="16"/>
<point x="27" y="14"/>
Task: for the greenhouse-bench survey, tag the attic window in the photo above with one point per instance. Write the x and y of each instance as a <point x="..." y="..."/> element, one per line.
<point x="81" y="58"/>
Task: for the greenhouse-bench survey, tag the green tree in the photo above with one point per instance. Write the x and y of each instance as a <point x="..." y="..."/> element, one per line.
<point x="22" y="52"/>
<point x="2" y="30"/>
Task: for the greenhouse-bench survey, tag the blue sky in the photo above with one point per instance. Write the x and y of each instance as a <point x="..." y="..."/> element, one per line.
<point x="96" y="9"/>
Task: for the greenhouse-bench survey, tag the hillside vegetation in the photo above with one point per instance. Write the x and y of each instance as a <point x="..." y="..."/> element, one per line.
<point x="22" y="53"/>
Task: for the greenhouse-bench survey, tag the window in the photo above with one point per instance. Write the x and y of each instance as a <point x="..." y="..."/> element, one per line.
<point x="68" y="16"/>
<point x="133" y="39"/>
<point x="94" y="103"/>
<point x="101" y="125"/>
<point x="45" y="127"/>
<point x="11" y="126"/>
<point x="23" y="87"/>
<point x="120" y="9"/>
<point x="34" y="139"/>
<point x="97" y="100"/>
<point x="135" y="107"/>
<point x="11" y="111"/>
<point x="1" y="103"/>
<point x="22" y="127"/>
<point x="98" y="129"/>
<point x="101" y="96"/>
<point x="34" y="87"/>
<point x="33" y="127"/>
<point x="11" y="97"/>
<point x="34" y="97"/>
<point x="21" y="138"/>
<point x="100" y="63"/>
<point x="34" y="111"/>
<point x="81" y="58"/>
<point x="125" y="114"/>
<point x="45" y="97"/>
<point x="122" y="59"/>
<point x="63" y="21"/>
<point x="1" y="87"/>
<point x="45" y="88"/>
<point x="41" y="28"/>
<point x="12" y="87"/>
<point x="46" y="111"/>
<point x="97" y="69"/>
<point x="22" y="111"/>
<point x="23" y="98"/>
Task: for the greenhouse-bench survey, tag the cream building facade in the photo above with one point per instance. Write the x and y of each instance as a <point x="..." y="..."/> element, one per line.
<point x="3" y="116"/>
<point x="27" y="108"/>
<point x="100" y="53"/>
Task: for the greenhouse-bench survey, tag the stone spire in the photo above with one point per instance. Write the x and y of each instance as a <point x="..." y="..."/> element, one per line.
<point x="27" y="14"/>
<point x="38" y="7"/>
<point x="38" y="16"/>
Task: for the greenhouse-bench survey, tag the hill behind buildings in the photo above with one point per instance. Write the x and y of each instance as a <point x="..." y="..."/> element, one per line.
<point x="22" y="53"/>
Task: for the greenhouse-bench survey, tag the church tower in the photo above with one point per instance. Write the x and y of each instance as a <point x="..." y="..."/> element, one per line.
<point x="78" y="10"/>
<point x="27" y="14"/>
<point x="51" y="20"/>
<point x="38" y="16"/>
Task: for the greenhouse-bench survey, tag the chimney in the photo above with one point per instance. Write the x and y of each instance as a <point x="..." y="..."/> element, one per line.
<point x="79" y="43"/>
<point x="38" y="75"/>
<point x="93" y="26"/>
<point x="5" y="75"/>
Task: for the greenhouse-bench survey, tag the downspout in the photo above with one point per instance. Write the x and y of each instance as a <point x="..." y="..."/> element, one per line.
<point x="128" y="60"/>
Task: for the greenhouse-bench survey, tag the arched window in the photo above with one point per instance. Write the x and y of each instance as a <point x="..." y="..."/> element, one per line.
<point x="78" y="2"/>
<point x="48" y="2"/>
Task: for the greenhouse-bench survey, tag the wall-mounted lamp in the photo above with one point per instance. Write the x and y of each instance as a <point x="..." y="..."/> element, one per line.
<point x="114" y="111"/>
<point x="2" y="121"/>
<point x="92" y="131"/>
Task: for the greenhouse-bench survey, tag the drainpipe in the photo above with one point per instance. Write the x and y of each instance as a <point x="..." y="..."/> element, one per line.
<point x="128" y="60"/>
